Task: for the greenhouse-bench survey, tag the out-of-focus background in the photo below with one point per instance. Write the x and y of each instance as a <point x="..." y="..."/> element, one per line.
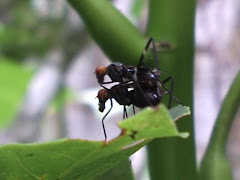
<point x="47" y="81"/>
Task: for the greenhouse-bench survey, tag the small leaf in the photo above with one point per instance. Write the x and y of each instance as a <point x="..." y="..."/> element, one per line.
<point x="143" y="125"/>
<point x="83" y="160"/>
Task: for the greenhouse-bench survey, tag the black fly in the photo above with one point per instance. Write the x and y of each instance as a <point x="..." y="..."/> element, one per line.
<point x="132" y="83"/>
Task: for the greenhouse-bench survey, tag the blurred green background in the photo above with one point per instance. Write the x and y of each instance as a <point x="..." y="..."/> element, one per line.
<point x="47" y="60"/>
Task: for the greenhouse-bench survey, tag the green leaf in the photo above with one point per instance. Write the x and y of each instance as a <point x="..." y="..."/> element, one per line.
<point x="177" y="113"/>
<point x="151" y="127"/>
<point x="123" y="170"/>
<point x="86" y="160"/>
<point x="215" y="165"/>
<point x="13" y="81"/>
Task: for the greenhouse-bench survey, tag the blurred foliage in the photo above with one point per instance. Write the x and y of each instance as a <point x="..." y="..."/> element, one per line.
<point x="137" y="7"/>
<point x="13" y="81"/>
<point x="24" y="31"/>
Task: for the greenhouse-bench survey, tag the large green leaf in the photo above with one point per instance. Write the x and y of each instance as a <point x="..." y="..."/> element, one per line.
<point x="13" y="81"/>
<point x="123" y="170"/>
<point x="79" y="159"/>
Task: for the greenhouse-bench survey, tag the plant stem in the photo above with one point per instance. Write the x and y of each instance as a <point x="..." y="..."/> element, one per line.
<point x="116" y="36"/>
<point x="173" y="21"/>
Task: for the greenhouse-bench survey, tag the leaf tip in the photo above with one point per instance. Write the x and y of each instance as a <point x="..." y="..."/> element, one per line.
<point x="184" y="135"/>
<point x="179" y="111"/>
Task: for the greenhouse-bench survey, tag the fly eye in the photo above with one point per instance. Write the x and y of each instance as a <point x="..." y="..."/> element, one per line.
<point x="100" y="71"/>
<point x="102" y="95"/>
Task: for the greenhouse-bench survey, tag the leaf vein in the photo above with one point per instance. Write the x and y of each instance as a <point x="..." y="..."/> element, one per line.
<point x="25" y="169"/>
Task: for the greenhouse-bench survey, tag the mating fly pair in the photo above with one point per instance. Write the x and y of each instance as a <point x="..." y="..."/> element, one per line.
<point x="138" y="86"/>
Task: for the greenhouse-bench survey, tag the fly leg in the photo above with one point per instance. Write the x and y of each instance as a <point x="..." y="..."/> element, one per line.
<point x="151" y="40"/>
<point x="125" y="115"/>
<point x="133" y="109"/>
<point x="171" y="90"/>
<point x="103" y="126"/>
